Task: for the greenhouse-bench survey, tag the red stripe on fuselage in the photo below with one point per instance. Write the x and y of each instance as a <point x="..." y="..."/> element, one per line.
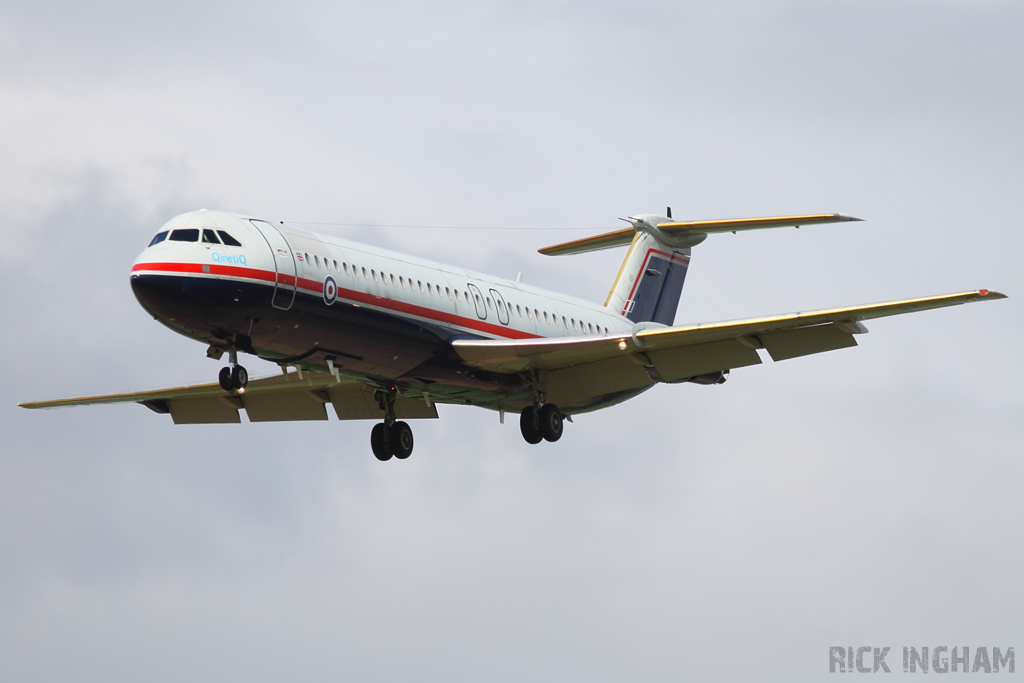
<point x="316" y="288"/>
<point x="213" y="269"/>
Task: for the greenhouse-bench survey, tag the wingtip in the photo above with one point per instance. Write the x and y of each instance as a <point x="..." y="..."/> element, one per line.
<point x="850" y="219"/>
<point x="991" y="294"/>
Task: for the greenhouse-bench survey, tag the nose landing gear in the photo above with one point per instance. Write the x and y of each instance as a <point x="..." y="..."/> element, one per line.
<point x="235" y="377"/>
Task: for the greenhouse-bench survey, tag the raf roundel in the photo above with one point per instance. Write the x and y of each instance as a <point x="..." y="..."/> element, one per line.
<point x="330" y="290"/>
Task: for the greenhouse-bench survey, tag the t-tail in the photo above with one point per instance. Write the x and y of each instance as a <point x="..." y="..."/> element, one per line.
<point x="650" y="280"/>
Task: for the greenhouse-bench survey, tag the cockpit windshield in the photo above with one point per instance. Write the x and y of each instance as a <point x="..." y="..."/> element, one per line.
<point x="210" y="237"/>
<point x="228" y="239"/>
<point x="158" y="238"/>
<point x="187" y="235"/>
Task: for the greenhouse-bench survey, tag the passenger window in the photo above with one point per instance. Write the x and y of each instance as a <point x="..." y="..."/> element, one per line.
<point x="308" y="261"/>
<point x="345" y="266"/>
<point x="228" y="239"/>
<point x="366" y="276"/>
<point x="317" y="260"/>
<point x="458" y="298"/>
<point x="448" y="292"/>
<point x="189" y="235"/>
<point x="489" y="304"/>
<point x="528" y="316"/>
<point x="394" y="282"/>
<point x="546" y="317"/>
<point x="336" y="268"/>
<point x="574" y="323"/>
<point x="210" y="237"/>
<point x="158" y="238"/>
<point x="519" y="311"/>
<point x="420" y="283"/>
<point x="374" y="274"/>
<point x="401" y="281"/>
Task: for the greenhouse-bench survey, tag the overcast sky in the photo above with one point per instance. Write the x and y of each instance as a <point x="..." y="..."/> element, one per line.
<point x="865" y="497"/>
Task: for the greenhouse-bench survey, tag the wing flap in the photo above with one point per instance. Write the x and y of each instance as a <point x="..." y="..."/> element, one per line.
<point x="190" y="411"/>
<point x="580" y="382"/>
<point x="288" y="406"/>
<point x="357" y="402"/>
<point x="269" y="399"/>
<point x="690" y="361"/>
<point x="806" y="340"/>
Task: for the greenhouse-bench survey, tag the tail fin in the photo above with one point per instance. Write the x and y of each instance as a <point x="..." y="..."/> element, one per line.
<point x="650" y="280"/>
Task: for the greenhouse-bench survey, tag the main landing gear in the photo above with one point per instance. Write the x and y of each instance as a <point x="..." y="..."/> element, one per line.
<point x="391" y="437"/>
<point x="391" y="440"/>
<point x="543" y="424"/>
<point x="235" y="377"/>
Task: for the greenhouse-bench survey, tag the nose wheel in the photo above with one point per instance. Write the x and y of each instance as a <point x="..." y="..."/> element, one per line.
<point x="233" y="377"/>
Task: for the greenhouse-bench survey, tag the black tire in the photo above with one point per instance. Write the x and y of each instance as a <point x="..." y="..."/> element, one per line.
<point x="239" y="377"/>
<point x="401" y="441"/>
<point x="225" y="379"/>
<point x="551" y="422"/>
<point x="378" y="442"/>
<point x="529" y="425"/>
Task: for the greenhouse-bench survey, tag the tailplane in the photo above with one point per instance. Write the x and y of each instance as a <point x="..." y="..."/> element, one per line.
<point x="650" y="281"/>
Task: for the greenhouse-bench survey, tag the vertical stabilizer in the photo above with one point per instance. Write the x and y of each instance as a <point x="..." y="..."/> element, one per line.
<point x="651" y="278"/>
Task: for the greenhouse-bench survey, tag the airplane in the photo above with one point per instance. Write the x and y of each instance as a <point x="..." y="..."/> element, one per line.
<point x="387" y="336"/>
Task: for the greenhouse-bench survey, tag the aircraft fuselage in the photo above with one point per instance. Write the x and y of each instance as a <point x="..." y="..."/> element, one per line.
<point x="301" y="298"/>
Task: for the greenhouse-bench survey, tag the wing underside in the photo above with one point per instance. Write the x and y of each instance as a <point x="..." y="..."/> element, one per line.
<point x="270" y="399"/>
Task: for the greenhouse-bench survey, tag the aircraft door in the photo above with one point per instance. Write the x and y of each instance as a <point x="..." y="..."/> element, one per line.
<point x="501" y="306"/>
<point x="284" y="265"/>
<point x="478" y="301"/>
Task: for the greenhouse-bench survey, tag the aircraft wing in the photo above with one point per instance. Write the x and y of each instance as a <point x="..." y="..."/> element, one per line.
<point x="581" y="366"/>
<point x="269" y="399"/>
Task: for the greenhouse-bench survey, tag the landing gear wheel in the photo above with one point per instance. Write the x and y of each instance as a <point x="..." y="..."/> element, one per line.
<point x="551" y="422"/>
<point x="379" y="442"/>
<point x="239" y="377"/>
<point x="225" y="379"/>
<point x="400" y="438"/>
<point x="529" y="424"/>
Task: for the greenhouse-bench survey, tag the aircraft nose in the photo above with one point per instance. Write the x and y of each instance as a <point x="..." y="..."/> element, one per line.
<point x="156" y="294"/>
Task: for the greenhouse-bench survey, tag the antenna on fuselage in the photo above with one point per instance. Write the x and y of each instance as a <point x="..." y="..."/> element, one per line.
<point x="519" y="278"/>
<point x="668" y="211"/>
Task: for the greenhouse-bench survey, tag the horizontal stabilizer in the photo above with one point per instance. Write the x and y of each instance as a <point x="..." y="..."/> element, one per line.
<point x="623" y="237"/>
<point x="595" y="243"/>
<point x="736" y="224"/>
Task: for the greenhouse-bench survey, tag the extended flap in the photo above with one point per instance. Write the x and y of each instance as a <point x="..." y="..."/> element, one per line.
<point x="805" y="341"/>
